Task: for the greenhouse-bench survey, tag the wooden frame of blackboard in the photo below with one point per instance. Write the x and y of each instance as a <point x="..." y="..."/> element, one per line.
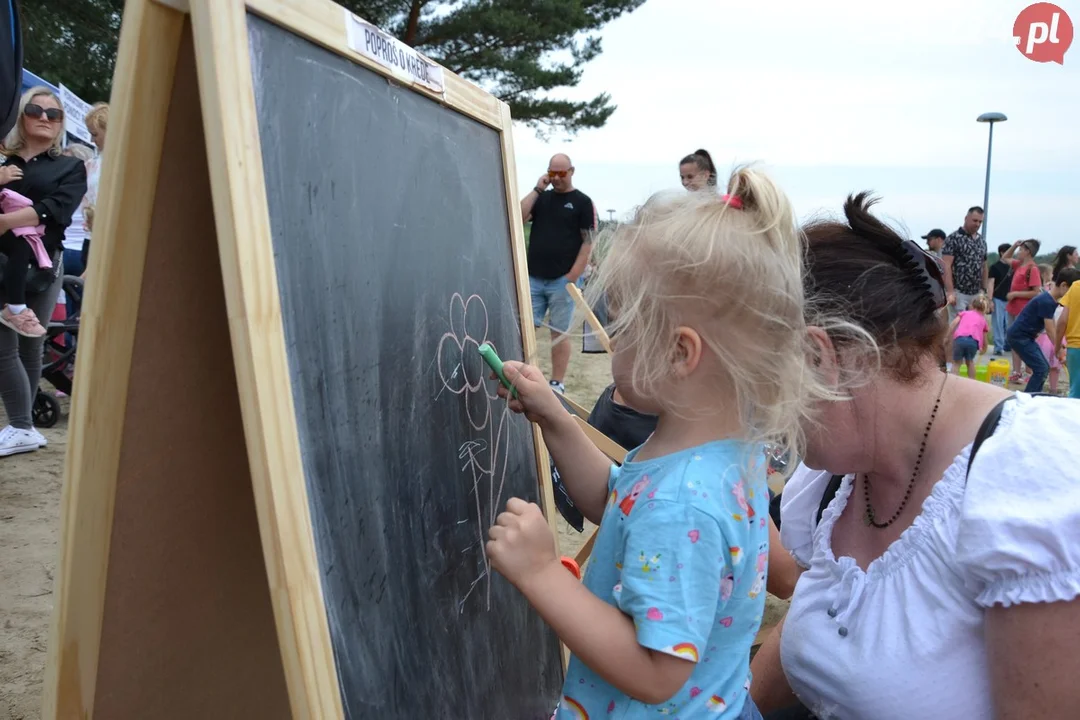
<point x="183" y="78"/>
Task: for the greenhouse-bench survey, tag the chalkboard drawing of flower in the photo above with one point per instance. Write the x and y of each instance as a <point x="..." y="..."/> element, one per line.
<point x="483" y="456"/>
<point x="461" y="369"/>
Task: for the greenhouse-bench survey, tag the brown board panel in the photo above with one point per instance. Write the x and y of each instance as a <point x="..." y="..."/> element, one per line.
<point x="188" y="630"/>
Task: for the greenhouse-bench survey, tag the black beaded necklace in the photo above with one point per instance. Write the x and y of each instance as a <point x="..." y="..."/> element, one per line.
<point x="870" y="515"/>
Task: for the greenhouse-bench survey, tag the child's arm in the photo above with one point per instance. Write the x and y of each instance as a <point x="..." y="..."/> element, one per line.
<point x="605" y="639"/>
<point x="769" y="687"/>
<point x="1024" y="293"/>
<point x="523" y="550"/>
<point x="1051" y="332"/>
<point x="784" y="572"/>
<point x="583" y="468"/>
<point x="1062" y="323"/>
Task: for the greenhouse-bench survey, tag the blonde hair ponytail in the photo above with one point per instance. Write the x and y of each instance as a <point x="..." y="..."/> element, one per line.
<point x="732" y="267"/>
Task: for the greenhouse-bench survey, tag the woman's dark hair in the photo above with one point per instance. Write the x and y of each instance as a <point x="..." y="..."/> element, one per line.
<point x="862" y="272"/>
<point x="1061" y="260"/>
<point x="703" y="160"/>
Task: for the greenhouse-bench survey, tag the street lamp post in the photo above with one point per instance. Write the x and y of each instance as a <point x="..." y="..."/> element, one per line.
<point x="991" y="118"/>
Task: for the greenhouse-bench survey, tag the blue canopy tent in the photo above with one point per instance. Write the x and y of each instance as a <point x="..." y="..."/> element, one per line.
<point x="30" y="80"/>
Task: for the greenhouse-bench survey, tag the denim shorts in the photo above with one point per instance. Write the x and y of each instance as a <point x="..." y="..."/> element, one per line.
<point x="964" y="349"/>
<point x="551" y="297"/>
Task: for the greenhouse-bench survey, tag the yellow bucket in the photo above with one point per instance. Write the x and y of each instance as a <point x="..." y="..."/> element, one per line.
<point x="998" y="372"/>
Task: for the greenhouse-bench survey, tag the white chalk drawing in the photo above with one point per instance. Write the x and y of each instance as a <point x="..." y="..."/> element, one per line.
<point x="484" y="453"/>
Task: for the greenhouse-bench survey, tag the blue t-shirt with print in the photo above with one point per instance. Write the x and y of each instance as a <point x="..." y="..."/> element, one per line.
<point x="682" y="549"/>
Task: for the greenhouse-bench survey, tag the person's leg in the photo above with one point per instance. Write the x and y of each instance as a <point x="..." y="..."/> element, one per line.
<point x="16" y="398"/>
<point x="1072" y="362"/>
<point x="18" y="260"/>
<point x="960" y="347"/>
<point x="562" y="312"/>
<point x="999" y="327"/>
<point x="1031" y="354"/>
<point x="539" y="300"/>
<point x="14" y="386"/>
<point x="15" y="395"/>
<point x="1017" y="363"/>
<point x="31" y="350"/>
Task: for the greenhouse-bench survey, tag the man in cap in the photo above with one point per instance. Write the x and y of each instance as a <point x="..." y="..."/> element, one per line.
<point x="934" y="240"/>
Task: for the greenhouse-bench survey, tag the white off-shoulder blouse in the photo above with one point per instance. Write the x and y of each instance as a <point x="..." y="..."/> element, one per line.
<point x="905" y="638"/>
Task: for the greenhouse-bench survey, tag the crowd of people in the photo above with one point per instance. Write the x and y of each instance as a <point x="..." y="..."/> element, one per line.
<point x="1028" y="305"/>
<point x="735" y="330"/>
<point x="47" y="195"/>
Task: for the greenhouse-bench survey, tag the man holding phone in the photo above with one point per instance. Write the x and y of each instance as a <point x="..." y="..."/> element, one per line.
<point x="563" y="220"/>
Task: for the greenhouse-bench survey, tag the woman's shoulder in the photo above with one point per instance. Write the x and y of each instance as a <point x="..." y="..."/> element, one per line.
<point x="1021" y="509"/>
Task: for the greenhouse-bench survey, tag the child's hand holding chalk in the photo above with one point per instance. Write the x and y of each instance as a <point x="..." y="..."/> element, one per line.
<point x="525" y="386"/>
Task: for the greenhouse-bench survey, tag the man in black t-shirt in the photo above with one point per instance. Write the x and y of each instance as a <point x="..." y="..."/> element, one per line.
<point x="563" y="220"/>
<point x="1000" y="280"/>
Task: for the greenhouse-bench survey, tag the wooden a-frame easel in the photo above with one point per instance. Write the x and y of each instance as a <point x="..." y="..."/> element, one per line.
<point x="188" y="585"/>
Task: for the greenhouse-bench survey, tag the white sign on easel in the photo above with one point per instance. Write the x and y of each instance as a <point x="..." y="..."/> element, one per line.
<point x="75" y="110"/>
<point x="405" y="62"/>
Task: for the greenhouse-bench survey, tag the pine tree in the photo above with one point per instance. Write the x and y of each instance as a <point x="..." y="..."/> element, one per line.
<point x="522" y="51"/>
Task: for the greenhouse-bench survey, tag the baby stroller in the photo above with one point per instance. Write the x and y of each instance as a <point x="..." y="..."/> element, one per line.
<point x="58" y="363"/>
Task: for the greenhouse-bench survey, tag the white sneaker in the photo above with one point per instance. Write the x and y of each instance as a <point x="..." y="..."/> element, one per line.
<point x="14" y="440"/>
<point x="42" y="440"/>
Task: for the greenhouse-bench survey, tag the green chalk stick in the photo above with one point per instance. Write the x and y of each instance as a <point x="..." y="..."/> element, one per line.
<point x="492" y="359"/>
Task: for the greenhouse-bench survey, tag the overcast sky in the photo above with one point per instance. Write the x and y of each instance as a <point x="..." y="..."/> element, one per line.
<point x="836" y="96"/>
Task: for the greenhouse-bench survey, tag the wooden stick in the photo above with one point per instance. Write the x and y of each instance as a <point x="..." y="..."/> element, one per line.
<point x="606" y="445"/>
<point x="576" y="409"/>
<point x="586" y="549"/>
<point x="590" y="317"/>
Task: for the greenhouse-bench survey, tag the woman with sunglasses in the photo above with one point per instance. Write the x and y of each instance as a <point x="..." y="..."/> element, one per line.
<point x="929" y="588"/>
<point x="54" y="184"/>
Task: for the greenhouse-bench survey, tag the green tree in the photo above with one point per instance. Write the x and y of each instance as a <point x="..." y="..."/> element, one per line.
<point x="72" y="42"/>
<point x="519" y="50"/>
<point x="522" y="51"/>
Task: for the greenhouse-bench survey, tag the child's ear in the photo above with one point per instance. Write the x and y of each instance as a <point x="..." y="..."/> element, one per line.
<point x="687" y="351"/>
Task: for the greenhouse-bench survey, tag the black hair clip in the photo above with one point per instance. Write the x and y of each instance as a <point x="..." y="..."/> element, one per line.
<point x="928" y="270"/>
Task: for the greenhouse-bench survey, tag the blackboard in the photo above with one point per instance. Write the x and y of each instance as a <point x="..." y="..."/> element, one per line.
<point x="393" y="255"/>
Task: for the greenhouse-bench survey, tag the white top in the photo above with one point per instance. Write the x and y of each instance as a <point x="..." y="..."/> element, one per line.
<point x="75" y="233"/>
<point x="905" y="638"/>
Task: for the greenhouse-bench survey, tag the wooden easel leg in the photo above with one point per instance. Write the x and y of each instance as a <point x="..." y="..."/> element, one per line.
<point x="176" y="621"/>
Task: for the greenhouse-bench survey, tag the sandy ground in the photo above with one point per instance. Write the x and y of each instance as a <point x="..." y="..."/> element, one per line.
<point x="29" y="527"/>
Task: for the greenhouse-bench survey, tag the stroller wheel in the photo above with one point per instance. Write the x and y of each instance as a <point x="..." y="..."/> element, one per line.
<point x="46" y="410"/>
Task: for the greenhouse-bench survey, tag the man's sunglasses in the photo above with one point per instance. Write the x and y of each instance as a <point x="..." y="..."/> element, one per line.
<point x="932" y="271"/>
<point x="558" y="173"/>
<point x="36" y="111"/>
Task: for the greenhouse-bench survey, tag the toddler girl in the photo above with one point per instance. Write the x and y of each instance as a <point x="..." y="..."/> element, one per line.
<point x="705" y="292"/>
<point x="969" y="330"/>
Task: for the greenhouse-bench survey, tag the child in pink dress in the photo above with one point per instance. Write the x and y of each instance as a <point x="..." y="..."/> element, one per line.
<point x="1043" y="341"/>
<point x="969" y="330"/>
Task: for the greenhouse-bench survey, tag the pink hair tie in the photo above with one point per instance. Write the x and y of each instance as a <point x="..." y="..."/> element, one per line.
<point x="733" y="201"/>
